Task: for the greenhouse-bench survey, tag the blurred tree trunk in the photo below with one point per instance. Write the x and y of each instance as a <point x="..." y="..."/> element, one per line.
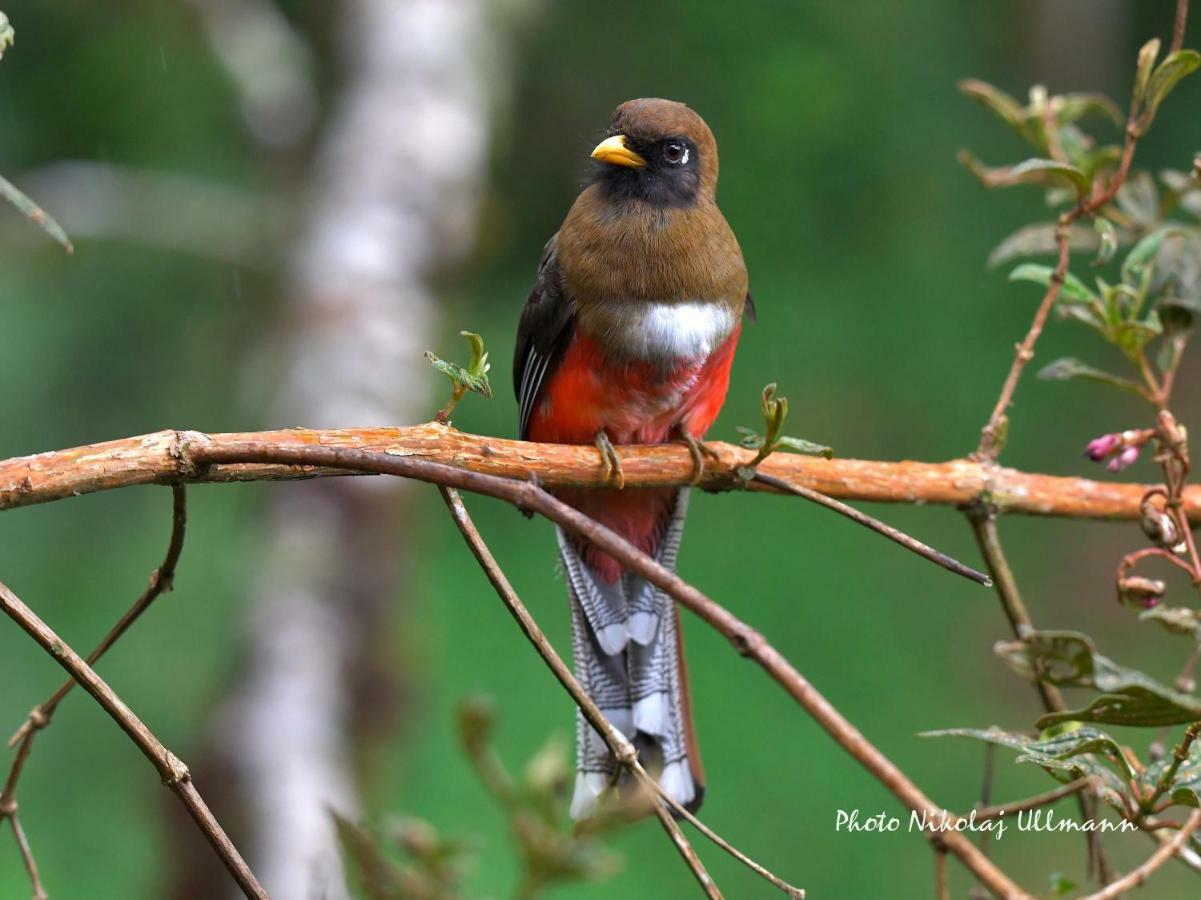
<point x="392" y="196"/>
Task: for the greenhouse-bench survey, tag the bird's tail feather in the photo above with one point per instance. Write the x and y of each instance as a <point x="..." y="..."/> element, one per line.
<point x="628" y="656"/>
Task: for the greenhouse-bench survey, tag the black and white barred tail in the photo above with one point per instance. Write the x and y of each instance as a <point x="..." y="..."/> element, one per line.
<point x="628" y="656"/>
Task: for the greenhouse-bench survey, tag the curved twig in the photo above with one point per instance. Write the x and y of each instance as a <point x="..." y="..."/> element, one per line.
<point x="174" y="773"/>
<point x="745" y="640"/>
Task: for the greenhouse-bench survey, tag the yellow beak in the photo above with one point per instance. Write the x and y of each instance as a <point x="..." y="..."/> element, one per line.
<point x="615" y="152"/>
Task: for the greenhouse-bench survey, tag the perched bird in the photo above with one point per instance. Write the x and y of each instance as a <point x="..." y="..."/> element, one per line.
<point x="627" y="338"/>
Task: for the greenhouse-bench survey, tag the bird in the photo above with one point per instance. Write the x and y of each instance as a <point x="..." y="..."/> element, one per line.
<point x="628" y="337"/>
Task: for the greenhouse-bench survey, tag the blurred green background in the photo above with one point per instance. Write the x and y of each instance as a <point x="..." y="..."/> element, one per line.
<point x="838" y="126"/>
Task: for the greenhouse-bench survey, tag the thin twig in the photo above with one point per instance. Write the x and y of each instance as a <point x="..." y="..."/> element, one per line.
<point x="893" y="534"/>
<point x="983" y="519"/>
<point x="1179" y="26"/>
<point x="942" y="890"/>
<point x="1139" y="875"/>
<point x="992" y="435"/>
<point x="174" y="773"/>
<point x="162" y="581"/>
<point x="554" y="662"/>
<point x="1008" y="809"/>
<point x="1168" y="778"/>
<point x="31" y="866"/>
<point x="689" y="855"/>
<point x="745" y="640"/>
<point x="984" y="527"/>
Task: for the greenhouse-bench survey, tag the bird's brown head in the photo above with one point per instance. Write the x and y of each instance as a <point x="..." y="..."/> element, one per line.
<point x="659" y="152"/>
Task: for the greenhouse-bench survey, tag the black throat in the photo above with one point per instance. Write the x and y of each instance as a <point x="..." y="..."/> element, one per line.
<point x="657" y="184"/>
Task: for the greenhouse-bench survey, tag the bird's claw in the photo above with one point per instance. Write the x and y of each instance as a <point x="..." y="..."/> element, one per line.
<point x="697" y="449"/>
<point x="610" y="460"/>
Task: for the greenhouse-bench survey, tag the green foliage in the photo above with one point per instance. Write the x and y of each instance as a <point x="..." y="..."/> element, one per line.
<point x="1069" y="659"/>
<point x="1152" y="86"/>
<point x="550" y="851"/>
<point x="1066" y="368"/>
<point x="406" y="860"/>
<point x="1185" y="786"/>
<point x="472" y="377"/>
<point x="1066" y="754"/>
<point x="1156" y="294"/>
<point x="775" y="411"/>
<point x="410" y="860"/>
<point x="1175" y="619"/>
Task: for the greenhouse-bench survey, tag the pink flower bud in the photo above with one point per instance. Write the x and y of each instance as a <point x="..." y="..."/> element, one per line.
<point x="1099" y="448"/>
<point x="1123" y="459"/>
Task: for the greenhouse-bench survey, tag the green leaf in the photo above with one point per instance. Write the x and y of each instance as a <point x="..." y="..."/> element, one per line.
<point x="1090" y="160"/>
<point x="1003" y="106"/>
<point x="1072" y="107"/>
<point x="1109" y="240"/>
<point x="1039" y="239"/>
<point x="800" y="445"/>
<point x="1143" y="253"/>
<point x="1138" y="197"/>
<point x="1132" y="337"/>
<point x="1044" y="172"/>
<point x="775" y="411"/>
<point x="1069" y="659"/>
<point x="1086" y="314"/>
<point x="1073" y="288"/>
<point x="472" y="377"/>
<point x="1142" y="73"/>
<point x="1068" y="368"/>
<point x="1060" y="884"/>
<point x="1174" y="619"/>
<point x="1071" y="753"/>
<point x="752" y="440"/>
<point x="1186" y="785"/>
<point x="1175" y="67"/>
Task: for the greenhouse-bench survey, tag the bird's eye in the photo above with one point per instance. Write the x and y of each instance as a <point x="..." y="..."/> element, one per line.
<point x="675" y="153"/>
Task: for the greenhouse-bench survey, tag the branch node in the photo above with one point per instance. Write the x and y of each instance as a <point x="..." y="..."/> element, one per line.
<point x="181" y="451"/>
<point x="175" y="772"/>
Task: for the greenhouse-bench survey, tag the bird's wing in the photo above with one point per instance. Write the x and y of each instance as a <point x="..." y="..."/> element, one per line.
<point x="542" y="335"/>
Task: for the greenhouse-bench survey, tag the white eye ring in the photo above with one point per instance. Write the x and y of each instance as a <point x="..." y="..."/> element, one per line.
<point x="682" y="148"/>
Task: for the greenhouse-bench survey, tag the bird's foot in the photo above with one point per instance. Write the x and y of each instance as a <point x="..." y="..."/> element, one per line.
<point x="610" y="460"/>
<point x="698" y="449"/>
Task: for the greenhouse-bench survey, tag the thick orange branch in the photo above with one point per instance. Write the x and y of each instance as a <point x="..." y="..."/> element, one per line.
<point x="163" y="457"/>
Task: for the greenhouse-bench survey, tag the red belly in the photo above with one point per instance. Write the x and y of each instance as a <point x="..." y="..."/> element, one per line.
<point x="634" y="403"/>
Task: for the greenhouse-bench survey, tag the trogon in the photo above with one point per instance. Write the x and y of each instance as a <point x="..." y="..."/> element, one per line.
<point x="627" y="338"/>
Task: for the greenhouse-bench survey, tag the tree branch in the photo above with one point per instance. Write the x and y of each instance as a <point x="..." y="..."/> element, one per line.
<point x="174" y="773"/>
<point x="984" y="813"/>
<point x="161" y="581"/>
<point x="1179" y="26"/>
<point x="31" y="866"/>
<point x="163" y="458"/>
<point x="746" y="641"/>
<point x="621" y="749"/>
<point x="893" y="534"/>
<point x="1139" y="875"/>
<point x="689" y="854"/>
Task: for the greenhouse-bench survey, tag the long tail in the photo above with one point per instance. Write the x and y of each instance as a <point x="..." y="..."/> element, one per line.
<point x="628" y="655"/>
